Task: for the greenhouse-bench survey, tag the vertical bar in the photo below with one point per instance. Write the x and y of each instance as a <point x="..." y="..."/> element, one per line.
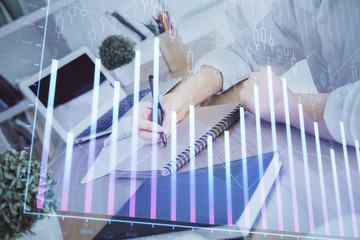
<point x="337" y="194"/>
<point x="47" y="135"/>
<point x="357" y="154"/>
<point x="211" y="179"/>
<point x="173" y="158"/>
<point x="37" y="102"/>
<point x="291" y="157"/>
<point x="134" y="140"/>
<point x="348" y="179"/>
<point x="306" y="170"/>
<point x="321" y="178"/>
<point x="272" y="109"/>
<point x="113" y="154"/>
<point x="275" y="147"/>
<point x="228" y="179"/>
<point x="192" y="163"/>
<point x="92" y="143"/>
<point x="155" y="134"/>
<point x="244" y="166"/>
<point x="260" y="154"/>
<point x="67" y="172"/>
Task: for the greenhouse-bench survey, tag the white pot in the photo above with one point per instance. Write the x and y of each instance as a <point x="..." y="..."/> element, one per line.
<point x="47" y="228"/>
<point x="124" y="74"/>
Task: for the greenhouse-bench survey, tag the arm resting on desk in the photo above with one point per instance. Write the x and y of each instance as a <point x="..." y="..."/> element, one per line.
<point x="314" y="111"/>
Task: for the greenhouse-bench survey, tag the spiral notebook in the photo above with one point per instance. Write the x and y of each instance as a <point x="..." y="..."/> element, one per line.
<point x="206" y="118"/>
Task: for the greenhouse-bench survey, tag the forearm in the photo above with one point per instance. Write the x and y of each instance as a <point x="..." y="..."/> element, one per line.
<point x="313" y="106"/>
<point x="196" y="90"/>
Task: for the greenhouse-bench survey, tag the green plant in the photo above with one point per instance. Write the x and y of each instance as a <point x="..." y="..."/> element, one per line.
<point x="116" y="51"/>
<point x="14" y="167"/>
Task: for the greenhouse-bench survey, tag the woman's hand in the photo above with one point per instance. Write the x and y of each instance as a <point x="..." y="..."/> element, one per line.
<point x="260" y="79"/>
<point x="169" y="102"/>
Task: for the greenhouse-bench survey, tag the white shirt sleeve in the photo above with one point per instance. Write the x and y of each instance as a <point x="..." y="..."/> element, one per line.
<point x="343" y="105"/>
<point x="276" y="32"/>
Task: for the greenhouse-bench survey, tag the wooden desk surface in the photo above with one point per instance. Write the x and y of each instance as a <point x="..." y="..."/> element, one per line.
<point x="287" y="206"/>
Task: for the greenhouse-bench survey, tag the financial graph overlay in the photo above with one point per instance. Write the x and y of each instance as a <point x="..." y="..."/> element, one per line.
<point x="275" y="173"/>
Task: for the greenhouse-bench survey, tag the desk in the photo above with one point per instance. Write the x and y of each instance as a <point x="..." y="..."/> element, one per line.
<point x="287" y="207"/>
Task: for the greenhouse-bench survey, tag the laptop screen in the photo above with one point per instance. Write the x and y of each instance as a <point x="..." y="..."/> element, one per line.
<point x="73" y="93"/>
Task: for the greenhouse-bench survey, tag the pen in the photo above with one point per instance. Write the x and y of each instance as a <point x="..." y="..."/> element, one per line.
<point x="128" y="25"/>
<point x="168" y="20"/>
<point x="159" y="110"/>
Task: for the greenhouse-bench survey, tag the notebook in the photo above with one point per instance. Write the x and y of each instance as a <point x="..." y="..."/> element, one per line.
<point x="203" y="123"/>
<point x="210" y="209"/>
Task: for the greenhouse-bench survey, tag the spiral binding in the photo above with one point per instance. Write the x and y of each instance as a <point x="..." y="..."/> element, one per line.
<point x="201" y="143"/>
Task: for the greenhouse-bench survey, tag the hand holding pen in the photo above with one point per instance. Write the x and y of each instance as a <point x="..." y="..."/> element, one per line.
<point x="169" y="102"/>
<point x="146" y="126"/>
<point x="159" y="109"/>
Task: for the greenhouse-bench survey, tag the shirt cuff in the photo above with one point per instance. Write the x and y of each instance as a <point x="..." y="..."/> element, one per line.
<point x="231" y="66"/>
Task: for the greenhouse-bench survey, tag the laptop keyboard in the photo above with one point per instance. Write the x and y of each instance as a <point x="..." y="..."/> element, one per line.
<point x="105" y="121"/>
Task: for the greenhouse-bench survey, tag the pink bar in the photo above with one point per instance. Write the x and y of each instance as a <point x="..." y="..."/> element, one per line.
<point x="263" y="197"/>
<point x="42" y="178"/>
<point x="89" y="184"/>
<point x="279" y="205"/>
<point x="211" y="180"/>
<point x="173" y="198"/>
<point x="42" y="183"/>
<point x="153" y="180"/>
<point x="229" y="214"/>
<point x="111" y="194"/>
<point x="67" y="172"/>
<point x="133" y="197"/>
<point x="263" y="216"/>
<point x="192" y="204"/>
<point x="65" y="200"/>
<point x="133" y="176"/>
<point x="247" y="208"/>
<point x="88" y="195"/>
<point x="311" y="216"/>
<point x="211" y="211"/>
<point x="153" y="198"/>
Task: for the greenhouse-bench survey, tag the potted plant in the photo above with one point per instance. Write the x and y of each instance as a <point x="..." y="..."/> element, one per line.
<point x="14" y="182"/>
<point x="115" y="52"/>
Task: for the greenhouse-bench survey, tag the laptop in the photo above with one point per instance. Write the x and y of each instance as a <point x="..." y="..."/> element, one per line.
<point x="12" y="101"/>
<point x="74" y="96"/>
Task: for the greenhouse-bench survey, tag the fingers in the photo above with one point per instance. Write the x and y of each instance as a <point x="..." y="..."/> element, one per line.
<point x="147" y="136"/>
<point x="148" y="125"/>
